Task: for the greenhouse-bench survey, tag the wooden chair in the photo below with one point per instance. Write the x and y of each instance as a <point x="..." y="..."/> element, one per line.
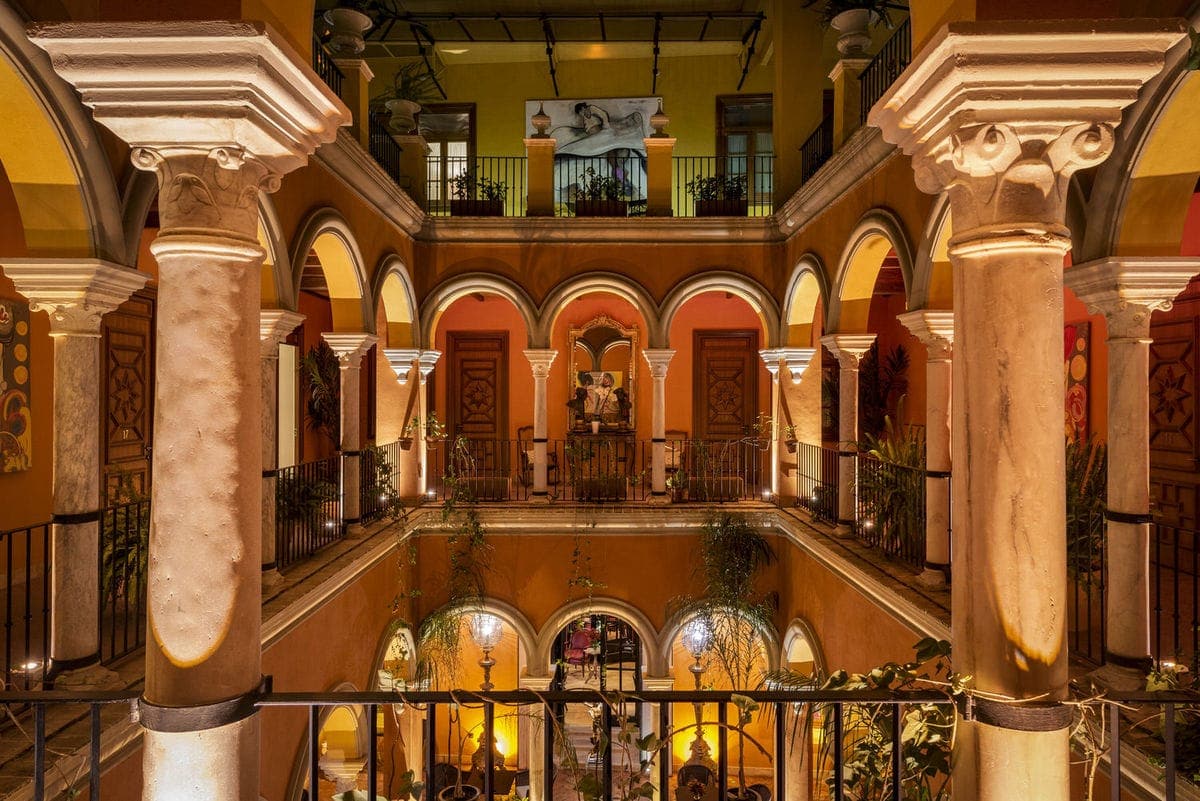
<point x="525" y="446"/>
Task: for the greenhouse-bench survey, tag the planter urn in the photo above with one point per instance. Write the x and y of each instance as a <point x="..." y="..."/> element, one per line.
<point x="404" y="115"/>
<point x="853" y="26"/>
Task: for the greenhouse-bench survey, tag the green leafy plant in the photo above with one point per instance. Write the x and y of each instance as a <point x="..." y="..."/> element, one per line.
<point x="593" y="186"/>
<point x="883" y="381"/>
<point x="893" y="493"/>
<point x="301" y="499"/>
<point x="1087" y="491"/>
<point x="467" y="185"/>
<point x="718" y="187"/>
<point x="125" y="542"/>
<point x="322" y="388"/>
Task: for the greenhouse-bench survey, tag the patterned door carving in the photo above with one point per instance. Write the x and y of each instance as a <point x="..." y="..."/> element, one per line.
<point x="127" y="407"/>
<point x="724" y="383"/>
<point x="1174" y="383"/>
<point x="477" y="395"/>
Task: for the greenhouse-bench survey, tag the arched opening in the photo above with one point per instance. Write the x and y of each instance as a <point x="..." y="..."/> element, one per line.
<point x="397" y="400"/>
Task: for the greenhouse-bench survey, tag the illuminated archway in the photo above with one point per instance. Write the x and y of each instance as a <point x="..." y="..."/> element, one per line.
<point x="602" y="283"/>
<point x="437" y="301"/>
<point x="647" y="634"/>
<point x="674" y="627"/>
<point x="800" y="641"/>
<point x="347" y="725"/>
<point x="60" y="175"/>
<point x="878" y="232"/>
<point x="807" y="291"/>
<point x="932" y="277"/>
<point x="394" y="292"/>
<point x="755" y="294"/>
<point x="277" y="289"/>
<point x="327" y="234"/>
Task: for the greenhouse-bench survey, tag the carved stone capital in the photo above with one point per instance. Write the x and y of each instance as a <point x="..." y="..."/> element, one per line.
<point x="540" y="360"/>
<point x="401" y="361"/>
<point x="796" y="360"/>
<point x="349" y="347"/>
<point x="274" y="326"/>
<point x="207" y="191"/>
<point x="75" y="293"/>
<point x="771" y="360"/>
<point x="426" y="361"/>
<point x="1002" y="113"/>
<point x="659" y="360"/>
<point x="935" y="329"/>
<point x="1128" y="289"/>
<point x="848" y="349"/>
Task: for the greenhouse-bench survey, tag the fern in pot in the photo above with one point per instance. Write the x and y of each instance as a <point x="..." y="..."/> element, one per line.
<point x="473" y="195"/>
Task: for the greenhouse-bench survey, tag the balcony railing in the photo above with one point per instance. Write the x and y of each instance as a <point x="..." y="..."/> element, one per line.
<point x="817" y="480"/>
<point x="27" y="555"/>
<point x="378" y="480"/>
<point x="492" y="186"/>
<point x="308" y="509"/>
<point x="124" y="556"/>
<point x="617" y="186"/>
<point x="885" y="68"/>
<point x="1175" y="595"/>
<point x="723" y="186"/>
<point x="384" y="148"/>
<point x="817" y="149"/>
<point x="324" y="66"/>
<point x="890" y="508"/>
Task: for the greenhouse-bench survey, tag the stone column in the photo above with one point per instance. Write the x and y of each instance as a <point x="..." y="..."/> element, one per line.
<point x="540" y="361"/>
<point x="536" y="736"/>
<point x="658" y="359"/>
<point x="848" y="349"/>
<point x="75" y="294"/>
<point x="1005" y="144"/>
<point x="772" y="360"/>
<point x="847" y="97"/>
<point x="350" y="350"/>
<point x="426" y="361"/>
<point x="650" y="723"/>
<point x="660" y="163"/>
<point x="403" y="362"/>
<point x="935" y="329"/>
<point x="539" y="152"/>
<point x="245" y="110"/>
<point x="797" y="361"/>
<point x="1127" y="290"/>
<point x="274" y="327"/>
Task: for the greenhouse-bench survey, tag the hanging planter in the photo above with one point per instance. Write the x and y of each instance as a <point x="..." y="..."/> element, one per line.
<point x="404" y="115"/>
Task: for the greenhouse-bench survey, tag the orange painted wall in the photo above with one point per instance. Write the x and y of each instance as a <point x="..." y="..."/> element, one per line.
<point x="25" y="497"/>
<point x="890" y="332"/>
<point x="1073" y="312"/>
<point x="488" y="313"/>
<point x="710" y="311"/>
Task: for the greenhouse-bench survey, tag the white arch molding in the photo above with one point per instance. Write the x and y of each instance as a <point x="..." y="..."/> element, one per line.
<point x="922" y="274"/>
<point x="329" y="221"/>
<point x="460" y="286"/>
<point x="596" y="283"/>
<point x="527" y="638"/>
<point x="800" y="628"/>
<point x="875" y="223"/>
<point x="652" y="659"/>
<point x="747" y="289"/>
<point x="666" y="641"/>
<point x="393" y="266"/>
<point x="808" y="264"/>
<point x="300" y="763"/>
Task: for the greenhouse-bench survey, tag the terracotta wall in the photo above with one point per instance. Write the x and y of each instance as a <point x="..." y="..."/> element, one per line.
<point x="890" y="332"/>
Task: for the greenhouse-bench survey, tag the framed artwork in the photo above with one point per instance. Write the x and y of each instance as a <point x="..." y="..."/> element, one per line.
<point x="1077" y="370"/>
<point x="16" y="430"/>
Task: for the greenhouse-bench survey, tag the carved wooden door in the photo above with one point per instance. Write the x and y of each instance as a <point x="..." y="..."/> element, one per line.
<point x="477" y="395"/>
<point x="724" y="383"/>
<point x="127" y="404"/>
<point x="1174" y="445"/>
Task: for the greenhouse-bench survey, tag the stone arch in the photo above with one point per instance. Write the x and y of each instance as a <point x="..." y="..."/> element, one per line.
<point x="597" y="282"/>
<point x="54" y="158"/>
<point x="652" y="658"/>
<point x="277" y="268"/>
<point x="666" y="640"/>
<point x="526" y="635"/>
<point x="393" y="288"/>
<point x="877" y="232"/>
<point x="397" y="629"/>
<point x="327" y="233"/>
<point x="460" y="286"/>
<point x="800" y="628"/>
<point x="806" y="289"/>
<point x="932" y="278"/>
<point x="745" y="288"/>
<point x="300" y="763"/>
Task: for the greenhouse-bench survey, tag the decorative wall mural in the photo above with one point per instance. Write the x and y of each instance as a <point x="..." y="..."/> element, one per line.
<point x="16" y="437"/>
<point x="1076" y="367"/>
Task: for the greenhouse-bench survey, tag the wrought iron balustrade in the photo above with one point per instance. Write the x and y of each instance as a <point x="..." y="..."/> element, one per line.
<point x="492" y="186"/>
<point x="384" y="148"/>
<point x="308" y="509"/>
<point x="885" y="68"/>
<point x="124" y="557"/>
<point x="890" y="507"/>
<point x="817" y="149"/>
<point x="817" y="480"/>
<point x="325" y="67"/>
<point x="27" y="559"/>
<point x="702" y="186"/>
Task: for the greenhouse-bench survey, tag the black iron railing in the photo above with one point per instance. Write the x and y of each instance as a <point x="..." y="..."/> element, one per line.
<point x="723" y="186"/>
<point x="718" y="471"/>
<point x="124" y="556"/>
<point x="308" y="509"/>
<point x="817" y="480"/>
<point x="379" y="480"/>
<point x="817" y="149"/>
<point x="1175" y="595"/>
<point x="324" y="66"/>
<point x="27" y="555"/>
<point x="384" y="149"/>
<point x="890" y="508"/>
<point x="608" y="466"/>
<point x="600" y="186"/>
<point x="483" y="186"/>
<point x="885" y="68"/>
<point x="1087" y="587"/>
<point x="482" y="470"/>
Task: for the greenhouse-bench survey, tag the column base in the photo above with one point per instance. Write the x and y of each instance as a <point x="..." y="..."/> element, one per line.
<point x="92" y="677"/>
<point x="1127" y="677"/>
<point x="932" y="576"/>
<point x="844" y="529"/>
<point x="539" y="498"/>
<point x="659" y="499"/>
<point x="355" y="531"/>
<point x="271" y="577"/>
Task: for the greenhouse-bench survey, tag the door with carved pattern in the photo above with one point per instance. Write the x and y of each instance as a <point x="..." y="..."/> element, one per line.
<point x="724" y="383"/>
<point x="127" y="405"/>
<point x="477" y="395"/>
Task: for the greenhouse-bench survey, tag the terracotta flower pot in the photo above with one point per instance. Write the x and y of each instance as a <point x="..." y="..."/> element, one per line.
<point x="601" y="208"/>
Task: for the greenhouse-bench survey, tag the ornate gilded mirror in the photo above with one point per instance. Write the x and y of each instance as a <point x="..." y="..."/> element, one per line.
<point x="603" y="365"/>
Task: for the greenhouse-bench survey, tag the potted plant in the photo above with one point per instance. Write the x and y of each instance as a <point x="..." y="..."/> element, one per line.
<point x="600" y="196"/>
<point x="789" y="438"/>
<point x="474" y="196"/>
<point x="412" y="85"/>
<point x="719" y="195"/>
<point x="852" y="19"/>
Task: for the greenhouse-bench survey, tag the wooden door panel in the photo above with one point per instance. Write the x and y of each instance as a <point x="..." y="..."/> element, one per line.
<point x="477" y="388"/>
<point x="1174" y="384"/>
<point x="724" y="383"/>
<point x="127" y="407"/>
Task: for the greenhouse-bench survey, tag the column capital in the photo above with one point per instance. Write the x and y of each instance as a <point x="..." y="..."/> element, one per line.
<point x="935" y="329"/>
<point x="848" y="349"/>
<point x="658" y="359"/>
<point x="349" y="347"/>
<point x="426" y="361"/>
<point x="854" y="66"/>
<point x="983" y="115"/>
<point x="76" y="293"/>
<point x="795" y="359"/>
<point x="1128" y="289"/>
<point x="203" y="85"/>
<point x="401" y="361"/>
<point x="771" y="359"/>
<point x="274" y="326"/>
<point x="540" y="360"/>
<point x="349" y="66"/>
